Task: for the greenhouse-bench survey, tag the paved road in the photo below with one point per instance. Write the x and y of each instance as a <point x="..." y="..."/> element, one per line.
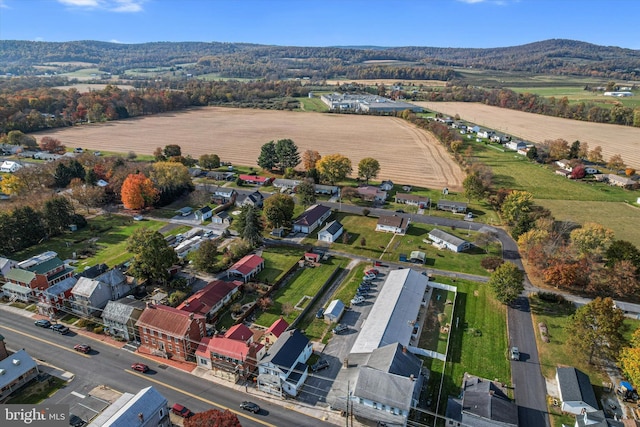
<point x="110" y="366"/>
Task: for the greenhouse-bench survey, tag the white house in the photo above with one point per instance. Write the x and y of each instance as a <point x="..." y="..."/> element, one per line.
<point x="330" y="232"/>
<point x="285" y="184"/>
<point x="576" y="392"/>
<point x="9" y="166"/>
<point x="449" y="205"/>
<point x="445" y="240"/>
<point x="516" y="145"/>
<point x="147" y="408"/>
<point x="393" y="224"/>
<point x="204" y="213"/>
<point x="326" y="189"/>
<point x="221" y="218"/>
<point x="283" y="369"/>
<point x="6" y="264"/>
<point x="334" y="311"/>
<point x="15" y="371"/>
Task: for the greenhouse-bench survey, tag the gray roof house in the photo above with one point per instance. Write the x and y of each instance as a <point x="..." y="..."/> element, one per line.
<point x="445" y="240"/>
<point x="449" y="205"/>
<point x="147" y="408"/>
<point x="484" y="403"/>
<point x="598" y="419"/>
<point x="91" y="295"/>
<point x="15" y="371"/>
<point x="203" y="213"/>
<point x="311" y="219"/>
<point x="120" y="317"/>
<point x="283" y="368"/>
<point x="330" y="232"/>
<point x="388" y="382"/>
<point x="6" y="264"/>
<point x="576" y="391"/>
<point x="254" y="199"/>
<point x="222" y="217"/>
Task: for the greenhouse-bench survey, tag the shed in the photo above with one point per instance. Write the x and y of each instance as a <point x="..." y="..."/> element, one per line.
<point x="576" y="391"/>
<point x="418" y="257"/>
<point x="334" y="311"/>
<point x="310" y="256"/>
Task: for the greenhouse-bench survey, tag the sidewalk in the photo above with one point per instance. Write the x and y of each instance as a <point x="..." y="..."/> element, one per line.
<point x="321" y="413"/>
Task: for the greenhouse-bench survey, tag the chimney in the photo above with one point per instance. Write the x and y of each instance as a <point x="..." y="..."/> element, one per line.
<point x="412" y="378"/>
<point x="141" y="417"/>
<point x="404" y="349"/>
<point x="190" y="316"/>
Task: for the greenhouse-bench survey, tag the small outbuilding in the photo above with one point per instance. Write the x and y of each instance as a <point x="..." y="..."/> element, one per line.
<point x="334" y="311"/>
<point x="330" y="232"/>
<point x="418" y="257"/>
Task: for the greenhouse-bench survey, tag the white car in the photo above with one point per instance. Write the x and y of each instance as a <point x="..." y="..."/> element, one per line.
<point x="370" y="275"/>
<point x="357" y="300"/>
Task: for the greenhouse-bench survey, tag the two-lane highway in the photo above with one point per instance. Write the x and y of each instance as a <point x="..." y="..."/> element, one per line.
<point x="110" y="366"/>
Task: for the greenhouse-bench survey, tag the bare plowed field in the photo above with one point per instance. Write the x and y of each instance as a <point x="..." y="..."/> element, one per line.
<point x="613" y="139"/>
<point x="407" y="155"/>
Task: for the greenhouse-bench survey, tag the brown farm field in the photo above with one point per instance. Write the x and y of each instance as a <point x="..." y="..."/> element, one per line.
<point x="407" y="155"/>
<point x="613" y="139"/>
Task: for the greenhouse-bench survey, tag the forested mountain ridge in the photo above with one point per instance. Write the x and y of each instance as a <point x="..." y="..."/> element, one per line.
<point x="555" y="56"/>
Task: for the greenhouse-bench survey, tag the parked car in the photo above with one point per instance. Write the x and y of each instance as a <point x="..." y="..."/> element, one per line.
<point x="76" y="421"/>
<point x="515" y="353"/>
<point x="140" y="367"/>
<point x="340" y="328"/>
<point x="373" y="271"/>
<point x="60" y="328"/>
<point x="181" y="411"/>
<point x="320" y="313"/>
<point x="370" y="276"/>
<point x="250" y="406"/>
<point x="320" y="365"/>
<point x="138" y="217"/>
<point x="358" y="299"/>
<point x="43" y="323"/>
<point x="82" y="348"/>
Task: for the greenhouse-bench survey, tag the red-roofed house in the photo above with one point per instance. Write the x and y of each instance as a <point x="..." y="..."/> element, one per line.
<point x="254" y="179"/>
<point x="210" y="299"/>
<point x="247" y="267"/>
<point x="169" y="332"/>
<point x="231" y="356"/>
<point x="273" y="333"/>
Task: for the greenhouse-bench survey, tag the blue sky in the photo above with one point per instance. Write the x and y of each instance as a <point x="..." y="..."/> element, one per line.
<point x="436" y="23"/>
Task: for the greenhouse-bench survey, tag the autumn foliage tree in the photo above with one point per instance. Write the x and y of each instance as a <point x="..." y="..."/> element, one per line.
<point x="309" y="159"/>
<point x="630" y="359"/>
<point x="213" y="418"/>
<point x="52" y="145"/>
<point x="138" y="192"/>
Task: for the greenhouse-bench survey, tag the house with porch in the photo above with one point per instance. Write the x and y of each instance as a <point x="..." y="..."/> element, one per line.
<point x="35" y="274"/>
<point x="15" y="372"/>
<point x="222" y="195"/>
<point x="442" y="239"/>
<point x="248" y="267"/>
<point x="326" y="189"/>
<point x="55" y="298"/>
<point x="171" y="333"/>
<point x="311" y="219"/>
<point x="210" y="299"/>
<point x="283" y="368"/>
<point x="393" y="224"/>
<point x="89" y="296"/>
<point x="231" y="356"/>
<point x="120" y="317"/>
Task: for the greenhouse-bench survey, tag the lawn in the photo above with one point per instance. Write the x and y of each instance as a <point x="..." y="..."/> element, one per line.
<point x="304" y="282"/>
<point x="468" y="261"/>
<point x="622" y="218"/>
<point x="478" y="343"/>
<point x="277" y="261"/>
<point x="106" y="235"/>
<point x="35" y="392"/>
<point x="358" y="228"/>
<point x="434" y="334"/>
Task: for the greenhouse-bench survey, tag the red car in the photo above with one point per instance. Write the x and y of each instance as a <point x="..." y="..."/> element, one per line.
<point x="82" y="348"/>
<point x="140" y="367"/>
<point x="181" y="411"/>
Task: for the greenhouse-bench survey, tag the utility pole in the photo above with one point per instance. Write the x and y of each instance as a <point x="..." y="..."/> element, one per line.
<point x="347" y="412"/>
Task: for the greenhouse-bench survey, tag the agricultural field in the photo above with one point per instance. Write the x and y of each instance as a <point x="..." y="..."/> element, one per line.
<point x="406" y="154"/>
<point x="614" y="139"/>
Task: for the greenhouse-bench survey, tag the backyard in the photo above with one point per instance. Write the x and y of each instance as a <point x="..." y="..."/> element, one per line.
<point x="278" y="260"/>
<point x="293" y="295"/>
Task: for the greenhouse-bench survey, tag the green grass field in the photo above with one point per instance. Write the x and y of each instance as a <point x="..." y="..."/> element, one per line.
<point x="305" y="282"/>
<point x="478" y="342"/>
<point x="277" y="261"/>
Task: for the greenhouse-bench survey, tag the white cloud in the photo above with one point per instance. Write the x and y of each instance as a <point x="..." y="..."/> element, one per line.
<point x="3" y="5"/>
<point x="126" y="6"/>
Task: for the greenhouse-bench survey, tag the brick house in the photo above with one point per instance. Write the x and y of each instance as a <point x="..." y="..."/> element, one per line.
<point x="169" y="332"/>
